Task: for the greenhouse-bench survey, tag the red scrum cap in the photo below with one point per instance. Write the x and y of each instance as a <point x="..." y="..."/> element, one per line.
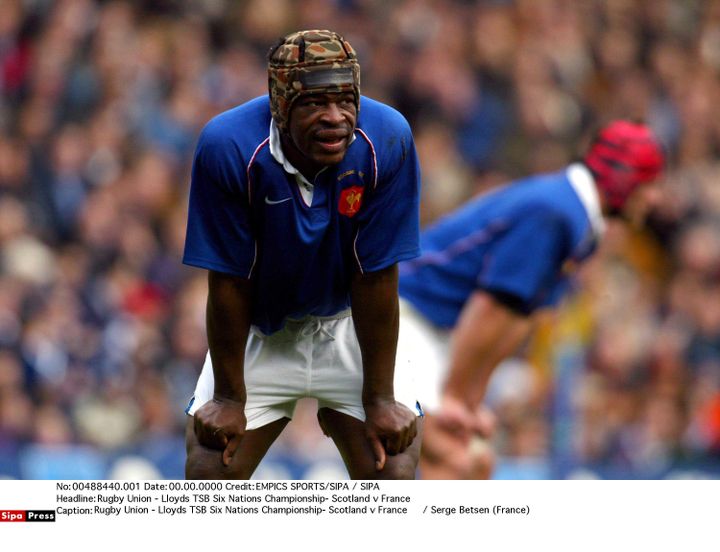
<point x="623" y="156"/>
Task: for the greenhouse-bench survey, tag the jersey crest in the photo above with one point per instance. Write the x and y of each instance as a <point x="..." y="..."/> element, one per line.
<point x="350" y="200"/>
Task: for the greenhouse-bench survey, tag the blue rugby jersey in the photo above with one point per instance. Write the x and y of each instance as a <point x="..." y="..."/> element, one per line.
<point x="519" y="241"/>
<point x="247" y="216"/>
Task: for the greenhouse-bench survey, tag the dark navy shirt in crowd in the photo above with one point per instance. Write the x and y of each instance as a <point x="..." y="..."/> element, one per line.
<point x="519" y="242"/>
<point x="251" y="214"/>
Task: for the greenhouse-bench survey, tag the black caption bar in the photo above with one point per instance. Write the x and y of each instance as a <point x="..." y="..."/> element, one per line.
<point x="39" y="515"/>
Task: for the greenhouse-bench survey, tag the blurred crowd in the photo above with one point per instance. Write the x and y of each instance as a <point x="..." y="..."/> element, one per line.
<point x="102" y="329"/>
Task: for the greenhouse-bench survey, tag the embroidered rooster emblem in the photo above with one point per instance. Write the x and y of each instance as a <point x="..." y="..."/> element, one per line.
<point x="350" y="201"/>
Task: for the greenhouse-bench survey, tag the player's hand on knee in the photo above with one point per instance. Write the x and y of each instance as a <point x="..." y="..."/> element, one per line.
<point x="220" y="424"/>
<point x="482" y="458"/>
<point x="456" y="443"/>
<point x="485" y="422"/>
<point x="390" y="427"/>
<point x="456" y="418"/>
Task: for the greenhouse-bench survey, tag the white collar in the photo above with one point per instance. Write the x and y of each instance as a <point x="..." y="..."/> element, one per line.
<point x="304" y="185"/>
<point x="582" y="181"/>
<point x="277" y="152"/>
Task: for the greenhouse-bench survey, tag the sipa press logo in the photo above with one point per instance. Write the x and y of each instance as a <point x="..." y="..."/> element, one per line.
<point x="27" y="515"/>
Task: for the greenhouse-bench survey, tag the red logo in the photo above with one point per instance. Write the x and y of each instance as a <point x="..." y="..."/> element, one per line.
<point x="12" y="515"/>
<point x="350" y="200"/>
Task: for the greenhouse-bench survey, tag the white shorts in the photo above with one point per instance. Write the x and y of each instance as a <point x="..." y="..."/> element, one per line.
<point x="316" y="357"/>
<point x="425" y="348"/>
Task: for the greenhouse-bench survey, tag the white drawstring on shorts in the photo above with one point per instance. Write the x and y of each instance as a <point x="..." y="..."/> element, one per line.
<point x="312" y="327"/>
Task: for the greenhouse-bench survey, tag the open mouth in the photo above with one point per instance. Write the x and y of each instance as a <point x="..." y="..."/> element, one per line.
<point x="331" y="140"/>
<point x="333" y="145"/>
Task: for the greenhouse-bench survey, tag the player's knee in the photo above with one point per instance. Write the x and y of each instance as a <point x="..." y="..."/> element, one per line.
<point x="475" y="460"/>
<point x="200" y="463"/>
<point x="205" y="463"/>
<point x="390" y="471"/>
<point x="402" y="466"/>
<point x="200" y="467"/>
<point x="447" y="467"/>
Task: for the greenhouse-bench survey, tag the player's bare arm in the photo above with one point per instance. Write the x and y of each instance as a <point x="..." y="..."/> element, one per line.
<point x="486" y="333"/>
<point x="456" y="433"/>
<point x="220" y="423"/>
<point x="390" y="426"/>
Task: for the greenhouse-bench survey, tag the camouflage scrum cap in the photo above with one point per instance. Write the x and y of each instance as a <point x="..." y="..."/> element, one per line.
<point x="307" y="62"/>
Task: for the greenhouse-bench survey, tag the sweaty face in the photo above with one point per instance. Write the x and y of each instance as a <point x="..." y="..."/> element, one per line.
<point x="320" y="129"/>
